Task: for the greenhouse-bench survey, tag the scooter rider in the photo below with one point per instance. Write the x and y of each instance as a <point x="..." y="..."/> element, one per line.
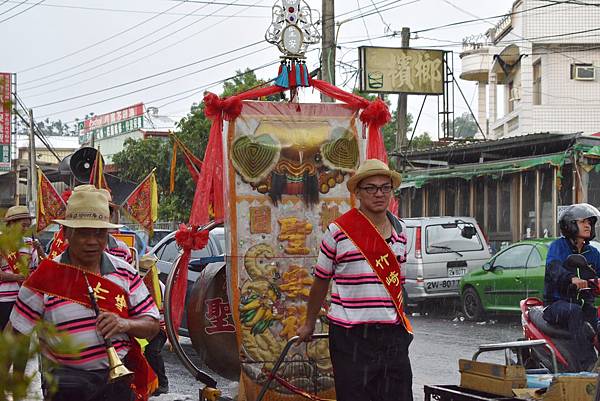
<point x="563" y="308"/>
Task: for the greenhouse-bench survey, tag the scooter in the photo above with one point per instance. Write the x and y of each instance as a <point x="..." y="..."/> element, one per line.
<point x="535" y="327"/>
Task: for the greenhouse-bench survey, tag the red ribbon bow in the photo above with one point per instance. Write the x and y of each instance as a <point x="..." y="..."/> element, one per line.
<point x="191" y="238"/>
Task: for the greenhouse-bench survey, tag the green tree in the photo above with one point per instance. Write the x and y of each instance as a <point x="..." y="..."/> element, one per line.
<point x="390" y="129"/>
<point x="138" y="157"/>
<point x="465" y="126"/>
<point x="422" y="141"/>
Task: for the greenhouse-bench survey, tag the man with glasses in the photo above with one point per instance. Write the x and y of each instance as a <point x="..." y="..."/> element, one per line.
<point x="570" y="309"/>
<point x="369" y="333"/>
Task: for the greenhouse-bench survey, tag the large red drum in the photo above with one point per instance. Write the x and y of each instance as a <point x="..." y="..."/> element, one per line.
<point x="211" y="325"/>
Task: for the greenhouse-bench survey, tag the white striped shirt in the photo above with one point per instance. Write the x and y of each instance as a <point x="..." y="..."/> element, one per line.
<point x="357" y="294"/>
<point x="80" y="321"/>
<point x="10" y="289"/>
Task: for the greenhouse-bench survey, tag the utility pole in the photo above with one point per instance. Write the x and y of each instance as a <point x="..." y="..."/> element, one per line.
<point x="32" y="176"/>
<point x="327" y="45"/>
<point x="401" y="108"/>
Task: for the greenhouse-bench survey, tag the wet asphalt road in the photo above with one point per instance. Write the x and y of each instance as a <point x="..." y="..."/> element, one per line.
<point x="440" y="340"/>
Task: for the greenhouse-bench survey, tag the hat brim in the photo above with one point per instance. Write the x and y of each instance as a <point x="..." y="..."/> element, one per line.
<point x="87" y="224"/>
<point x="21" y="216"/>
<point x="357" y="178"/>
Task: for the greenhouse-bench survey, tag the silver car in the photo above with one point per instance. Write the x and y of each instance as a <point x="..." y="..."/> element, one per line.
<point x="440" y="251"/>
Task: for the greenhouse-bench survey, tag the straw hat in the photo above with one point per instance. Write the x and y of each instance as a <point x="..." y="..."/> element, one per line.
<point x="87" y="208"/>
<point x="370" y="168"/>
<point x="17" y="213"/>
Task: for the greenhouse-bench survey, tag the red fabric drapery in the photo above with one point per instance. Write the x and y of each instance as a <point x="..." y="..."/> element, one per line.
<point x="374" y="116"/>
<point x="209" y="187"/>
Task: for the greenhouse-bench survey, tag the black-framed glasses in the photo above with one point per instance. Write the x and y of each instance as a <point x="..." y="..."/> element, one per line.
<point x="373" y="189"/>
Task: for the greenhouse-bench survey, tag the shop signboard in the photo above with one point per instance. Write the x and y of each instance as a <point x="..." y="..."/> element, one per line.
<point x="111" y="124"/>
<point x="401" y="70"/>
<point x="5" y="119"/>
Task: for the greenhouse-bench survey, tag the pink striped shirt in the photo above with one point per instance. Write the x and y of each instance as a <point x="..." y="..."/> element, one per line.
<point x="79" y="321"/>
<point x="357" y="294"/>
<point x="10" y="289"/>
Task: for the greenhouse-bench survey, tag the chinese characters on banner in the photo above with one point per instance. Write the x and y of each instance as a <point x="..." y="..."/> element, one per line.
<point x="111" y="124"/>
<point x="218" y="313"/>
<point x="398" y="70"/>
<point x="5" y="120"/>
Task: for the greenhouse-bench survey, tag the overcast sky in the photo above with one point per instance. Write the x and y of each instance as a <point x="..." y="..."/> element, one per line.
<point x="63" y="49"/>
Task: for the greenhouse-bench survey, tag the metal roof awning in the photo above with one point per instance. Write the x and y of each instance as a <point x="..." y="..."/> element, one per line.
<point x="418" y="178"/>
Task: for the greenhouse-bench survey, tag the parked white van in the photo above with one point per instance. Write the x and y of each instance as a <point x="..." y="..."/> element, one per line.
<point x="440" y="251"/>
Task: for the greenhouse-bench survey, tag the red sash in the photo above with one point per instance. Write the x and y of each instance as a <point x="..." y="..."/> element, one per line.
<point x="68" y="282"/>
<point x="359" y="229"/>
<point x="59" y="244"/>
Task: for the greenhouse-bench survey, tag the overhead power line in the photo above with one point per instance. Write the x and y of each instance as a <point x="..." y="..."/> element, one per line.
<point x="149" y="86"/>
<point x="149" y="76"/>
<point x="22" y="11"/>
<point x="100" y="41"/>
<point x="122" y="10"/>
<point x="139" y="48"/>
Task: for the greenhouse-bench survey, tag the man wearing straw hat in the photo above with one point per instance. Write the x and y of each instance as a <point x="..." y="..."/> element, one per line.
<point x="10" y="277"/>
<point x="57" y="292"/>
<point x="369" y="333"/>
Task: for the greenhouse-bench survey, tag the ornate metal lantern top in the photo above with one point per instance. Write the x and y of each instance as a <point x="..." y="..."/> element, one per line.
<point x="292" y="29"/>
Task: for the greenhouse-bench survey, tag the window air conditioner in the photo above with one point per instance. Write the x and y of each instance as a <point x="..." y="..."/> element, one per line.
<point x="584" y="72"/>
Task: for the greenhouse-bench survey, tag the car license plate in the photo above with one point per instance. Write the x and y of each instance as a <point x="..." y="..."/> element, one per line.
<point x="457" y="271"/>
<point x="441" y="285"/>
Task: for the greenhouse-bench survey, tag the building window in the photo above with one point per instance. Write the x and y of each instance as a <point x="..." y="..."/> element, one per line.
<point x="479" y="200"/>
<point x="450" y="198"/>
<point x="433" y="199"/>
<point x="505" y="212"/>
<point x="546" y="208"/>
<point x="416" y="203"/>
<point x="528" y="216"/>
<point x="510" y="106"/>
<point x="464" y="198"/>
<point x="492" y="206"/>
<point x="583" y="72"/>
<point x="537" y="83"/>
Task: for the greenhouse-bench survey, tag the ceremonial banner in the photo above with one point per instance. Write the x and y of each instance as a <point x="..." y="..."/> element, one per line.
<point x="50" y="205"/>
<point x="286" y="171"/>
<point x="142" y="203"/>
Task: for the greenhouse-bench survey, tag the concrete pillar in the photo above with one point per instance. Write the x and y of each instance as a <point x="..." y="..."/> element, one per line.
<point x="482" y="106"/>
<point x="493" y="101"/>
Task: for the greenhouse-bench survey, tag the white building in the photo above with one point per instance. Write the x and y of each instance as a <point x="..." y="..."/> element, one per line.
<point x="108" y="132"/>
<point x="538" y="69"/>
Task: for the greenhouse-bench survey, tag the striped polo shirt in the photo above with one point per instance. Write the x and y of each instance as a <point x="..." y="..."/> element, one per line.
<point x="10" y="289"/>
<point x="80" y="321"/>
<point x="357" y="294"/>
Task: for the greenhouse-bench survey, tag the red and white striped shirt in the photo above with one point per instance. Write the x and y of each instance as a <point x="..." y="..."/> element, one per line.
<point x="79" y="321"/>
<point x="10" y="289"/>
<point x="357" y="294"/>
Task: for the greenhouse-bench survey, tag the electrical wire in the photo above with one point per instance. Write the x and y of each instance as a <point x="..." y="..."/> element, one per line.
<point x="22" y="11"/>
<point x="220" y="3"/>
<point x="123" y="66"/>
<point x="13" y="7"/>
<point x="100" y="41"/>
<point x="120" y="10"/>
<point x="146" y="87"/>
<point x="149" y="76"/>
<point x="112" y="52"/>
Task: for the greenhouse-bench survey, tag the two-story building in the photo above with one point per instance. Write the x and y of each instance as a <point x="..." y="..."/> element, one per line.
<point x="538" y="76"/>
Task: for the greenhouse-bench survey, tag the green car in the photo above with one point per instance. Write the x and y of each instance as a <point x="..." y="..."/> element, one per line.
<point x="513" y="274"/>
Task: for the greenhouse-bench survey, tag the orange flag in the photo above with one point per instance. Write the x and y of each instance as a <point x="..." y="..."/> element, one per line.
<point x="50" y="206"/>
<point x="142" y="203"/>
